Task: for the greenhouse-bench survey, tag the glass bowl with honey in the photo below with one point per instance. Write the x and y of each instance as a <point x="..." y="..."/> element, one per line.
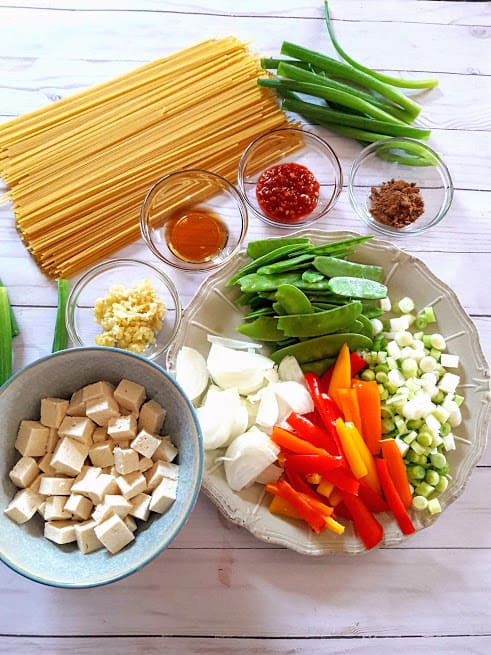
<point x="194" y="220"/>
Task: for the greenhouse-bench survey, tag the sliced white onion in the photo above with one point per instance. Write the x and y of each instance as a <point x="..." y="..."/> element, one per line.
<point x="237" y="368"/>
<point x="216" y="426"/>
<point x="289" y="369"/>
<point x="233" y="343"/>
<point x="247" y="457"/>
<point x="295" y="396"/>
<point x="191" y="372"/>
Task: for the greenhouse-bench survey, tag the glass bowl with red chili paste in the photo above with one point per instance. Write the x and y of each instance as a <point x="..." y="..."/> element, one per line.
<point x="290" y="177"/>
<point x="400" y="187"/>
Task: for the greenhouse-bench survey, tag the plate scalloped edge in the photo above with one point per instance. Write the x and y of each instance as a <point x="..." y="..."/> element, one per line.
<point x="212" y="310"/>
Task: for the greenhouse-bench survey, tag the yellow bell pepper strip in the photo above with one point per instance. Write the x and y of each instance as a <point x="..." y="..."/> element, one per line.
<point x="300" y="503"/>
<point x="341" y="374"/>
<point x="397" y="470"/>
<point x="348" y="404"/>
<point x="369" y="529"/>
<point x="371" y="477"/>
<point x="336" y="496"/>
<point x="355" y="460"/>
<point x="392" y="497"/>
<point x="334" y="526"/>
<point x="371" y="418"/>
<point x="325" y="488"/>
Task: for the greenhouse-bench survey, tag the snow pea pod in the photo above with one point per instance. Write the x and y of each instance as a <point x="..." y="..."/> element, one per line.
<point x="293" y="300"/>
<point x="256" y="249"/>
<point x="264" y="328"/>
<point x="257" y="282"/>
<point x="312" y="276"/>
<point x="334" y="267"/>
<point x="292" y="264"/>
<point x="316" y="348"/>
<point x="355" y="287"/>
<point x="268" y="258"/>
<point x="325" y="322"/>
<point x="367" y="327"/>
<point x="319" y="367"/>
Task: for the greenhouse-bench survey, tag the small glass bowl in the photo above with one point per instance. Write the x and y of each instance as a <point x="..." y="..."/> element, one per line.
<point x="383" y="161"/>
<point x="291" y="145"/>
<point x="170" y="202"/>
<point x="96" y="283"/>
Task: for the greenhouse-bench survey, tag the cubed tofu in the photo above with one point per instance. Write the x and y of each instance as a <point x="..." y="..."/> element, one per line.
<point x="103" y="484"/>
<point x="44" y="464"/>
<point x="23" y="505"/>
<point x="163" y="495"/>
<point x="102" y="409"/>
<point x="84" y="482"/>
<point x="32" y="439"/>
<point x="166" y="451"/>
<point x="101" y="454"/>
<point x="151" y="417"/>
<point x="101" y="389"/>
<point x="78" y="428"/>
<point x="87" y="540"/>
<point x="36" y="483"/>
<point x="53" y="439"/>
<point x="130" y="522"/>
<point x="140" y="506"/>
<point x="99" y="434"/>
<point x="131" y="484"/>
<point x="130" y="395"/>
<point x="159" y="470"/>
<point x="54" y="509"/>
<point x="61" y="532"/>
<point x="145" y="443"/>
<point x="76" y="406"/>
<point x="24" y="472"/>
<point x="126" y="460"/>
<point x="113" y="504"/>
<point x="69" y="456"/>
<point x="53" y="411"/>
<point x="55" y="486"/>
<point x="114" y="534"/>
<point x="122" y="427"/>
<point x="145" y="464"/>
<point x="79" y="506"/>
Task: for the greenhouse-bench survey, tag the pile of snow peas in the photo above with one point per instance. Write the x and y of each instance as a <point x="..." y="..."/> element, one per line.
<point x="307" y="300"/>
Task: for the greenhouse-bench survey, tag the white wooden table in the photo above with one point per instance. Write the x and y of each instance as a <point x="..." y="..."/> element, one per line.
<point x="217" y="589"/>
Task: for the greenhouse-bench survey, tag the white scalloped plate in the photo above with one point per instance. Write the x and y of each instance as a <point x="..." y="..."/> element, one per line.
<point x="212" y="311"/>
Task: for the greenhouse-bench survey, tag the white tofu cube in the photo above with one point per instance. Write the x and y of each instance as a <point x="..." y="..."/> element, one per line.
<point x="145" y="443"/>
<point x="101" y="454"/>
<point x="32" y="439"/>
<point x="84" y="482"/>
<point x="87" y="540"/>
<point x="99" y="434"/>
<point x="76" y="406"/>
<point x="79" y="506"/>
<point x="102" y="409"/>
<point x="163" y="496"/>
<point x="61" y="532"/>
<point x="23" y="505"/>
<point x="53" y="439"/>
<point x="145" y="464"/>
<point x="159" y="470"/>
<point x="54" y="509"/>
<point x="103" y="484"/>
<point x="131" y="484"/>
<point x="130" y="522"/>
<point x="69" y="456"/>
<point x="102" y="389"/>
<point x="53" y="411"/>
<point x="140" y="506"/>
<point x="35" y="484"/>
<point x="54" y="486"/>
<point x="24" y="472"/>
<point x="126" y="460"/>
<point x="114" y="534"/>
<point x="122" y="427"/>
<point x="166" y="451"/>
<point x="151" y="417"/>
<point x="130" y="395"/>
<point x="45" y="465"/>
<point x="78" y="428"/>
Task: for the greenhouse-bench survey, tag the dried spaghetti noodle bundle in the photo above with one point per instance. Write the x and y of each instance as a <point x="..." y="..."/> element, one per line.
<point x="78" y="170"/>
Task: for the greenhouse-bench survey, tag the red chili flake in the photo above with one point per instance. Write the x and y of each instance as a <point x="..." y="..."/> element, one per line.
<point x="287" y="192"/>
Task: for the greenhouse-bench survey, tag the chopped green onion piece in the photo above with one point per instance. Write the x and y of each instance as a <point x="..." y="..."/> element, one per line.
<point x="424" y="489"/>
<point x="420" y="502"/>
<point x="438" y="460"/>
<point x="434" y="506"/>
<point x="60" y="338"/>
<point x="14" y="326"/>
<point x="5" y="337"/>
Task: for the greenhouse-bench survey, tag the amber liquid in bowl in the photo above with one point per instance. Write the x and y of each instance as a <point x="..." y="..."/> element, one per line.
<point x="196" y="235"/>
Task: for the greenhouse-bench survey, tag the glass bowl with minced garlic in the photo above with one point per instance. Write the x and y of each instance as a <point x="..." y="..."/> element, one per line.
<point x="127" y="304"/>
<point x="400" y="187"/>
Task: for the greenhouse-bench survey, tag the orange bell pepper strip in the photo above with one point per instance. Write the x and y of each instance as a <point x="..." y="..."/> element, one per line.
<point x="289" y="441"/>
<point x="300" y="503"/>
<point x="348" y="404"/>
<point x="371" y="418"/>
<point x="369" y="529"/>
<point x="282" y="508"/>
<point x="397" y="470"/>
<point x="355" y="460"/>
<point x="357" y="365"/>
<point x="392" y="497"/>
<point x="371" y="477"/>
<point x="341" y="374"/>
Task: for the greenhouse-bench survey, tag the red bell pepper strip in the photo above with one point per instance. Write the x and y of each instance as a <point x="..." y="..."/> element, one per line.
<point x="372" y="499"/>
<point x="357" y="365"/>
<point x="300" y="504"/>
<point x="392" y="497"/>
<point x="371" y="418"/>
<point x="397" y="470"/>
<point x="300" y="484"/>
<point x="343" y="479"/>
<point x="313" y="463"/>
<point x="309" y="431"/>
<point x="367" y="526"/>
<point x="327" y="408"/>
<point x="289" y="441"/>
<point x="342" y="511"/>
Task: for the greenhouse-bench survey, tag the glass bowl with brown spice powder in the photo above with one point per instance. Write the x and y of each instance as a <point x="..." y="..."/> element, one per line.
<point x="400" y="186"/>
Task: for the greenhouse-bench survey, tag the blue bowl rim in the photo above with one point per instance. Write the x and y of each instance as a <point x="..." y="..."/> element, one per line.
<point x="194" y="497"/>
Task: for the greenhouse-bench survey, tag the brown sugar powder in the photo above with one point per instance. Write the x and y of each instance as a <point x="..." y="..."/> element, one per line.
<point x="396" y="203"/>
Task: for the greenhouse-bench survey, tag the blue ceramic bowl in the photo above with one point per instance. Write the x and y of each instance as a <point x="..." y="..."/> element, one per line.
<point x="22" y="547"/>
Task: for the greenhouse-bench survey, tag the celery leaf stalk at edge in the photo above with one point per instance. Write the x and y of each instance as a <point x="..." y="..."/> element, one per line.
<point x="14" y="326"/>
<point x="5" y="338"/>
